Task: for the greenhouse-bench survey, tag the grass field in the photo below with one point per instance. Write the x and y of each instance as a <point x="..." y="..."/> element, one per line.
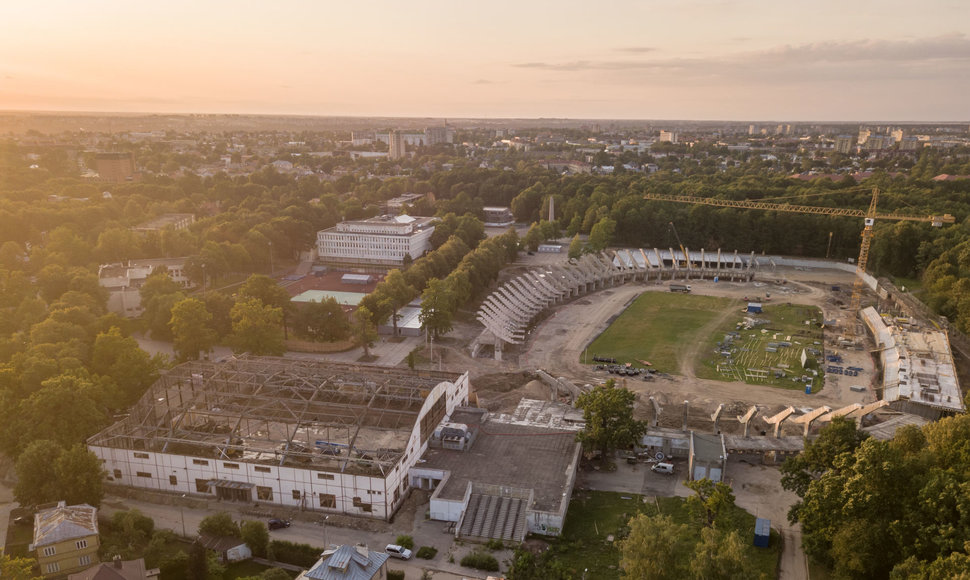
<point x="739" y="358"/>
<point x="656" y="327"/>
<point x="594" y="516"/>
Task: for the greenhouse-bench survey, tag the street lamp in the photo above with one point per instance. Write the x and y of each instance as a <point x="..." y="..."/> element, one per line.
<point x="271" y="268"/>
<point x="182" y="514"/>
<point x="326" y="537"/>
<point x="203" y="281"/>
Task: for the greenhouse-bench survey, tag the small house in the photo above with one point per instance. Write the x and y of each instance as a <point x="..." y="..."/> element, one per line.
<point x="754" y="307"/>
<point x="66" y="538"/>
<point x="348" y="563"/>
<point x="230" y="549"/>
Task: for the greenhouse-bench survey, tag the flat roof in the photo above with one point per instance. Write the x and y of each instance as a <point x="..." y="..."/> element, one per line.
<point x="522" y="456"/>
<point x="342" y="298"/>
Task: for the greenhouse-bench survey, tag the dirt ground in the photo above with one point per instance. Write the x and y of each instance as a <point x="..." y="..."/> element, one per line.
<point x="557" y="342"/>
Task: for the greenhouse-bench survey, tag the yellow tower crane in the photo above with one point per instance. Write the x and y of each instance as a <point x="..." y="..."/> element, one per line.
<point x="870" y="216"/>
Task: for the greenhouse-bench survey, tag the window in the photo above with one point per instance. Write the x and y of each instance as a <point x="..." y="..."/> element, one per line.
<point x="296" y="494"/>
<point x="264" y="493"/>
<point x="262" y="469"/>
<point x="202" y="485"/>
<point x="50" y="551"/>
<point x="328" y="500"/>
<point x="231" y="465"/>
<point x="84" y="560"/>
<point x="173" y="480"/>
<point x="117" y="473"/>
<point x="199" y="462"/>
<point x="53" y="567"/>
<point x="143" y="474"/>
<point x="328" y="476"/>
<point x="364" y="507"/>
<point x="81" y="544"/>
<point x="141" y="455"/>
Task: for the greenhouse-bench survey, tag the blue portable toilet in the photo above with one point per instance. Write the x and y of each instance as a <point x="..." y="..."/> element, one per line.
<point x="808" y="389"/>
<point x="754" y="307"/>
<point x="762" y="532"/>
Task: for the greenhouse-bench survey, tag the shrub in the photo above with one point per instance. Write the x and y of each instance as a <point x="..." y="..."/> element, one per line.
<point x="480" y="561"/>
<point x="405" y="541"/>
<point x="427" y="552"/>
<point x="395" y="575"/>
<point x="296" y="554"/>
<point x="495" y="544"/>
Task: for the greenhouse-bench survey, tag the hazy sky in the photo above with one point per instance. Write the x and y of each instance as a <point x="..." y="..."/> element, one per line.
<point x="892" y="60"/>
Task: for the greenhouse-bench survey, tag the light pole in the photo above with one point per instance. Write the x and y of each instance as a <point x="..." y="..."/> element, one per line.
<point x="203" y="281"/>
<point x="326" y="543"/>
<point x="182" y="514"/>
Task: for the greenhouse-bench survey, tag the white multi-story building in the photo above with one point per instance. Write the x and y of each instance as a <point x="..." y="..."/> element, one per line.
<point x="669" y="136"/>
<point x="383" y="240"/>
<point x="124" y="281"/>
<point x="397" y="145"/>
<point x="301" y="434"/>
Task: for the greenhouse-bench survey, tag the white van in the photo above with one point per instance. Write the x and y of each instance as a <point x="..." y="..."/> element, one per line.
<point x="663" y="467"/>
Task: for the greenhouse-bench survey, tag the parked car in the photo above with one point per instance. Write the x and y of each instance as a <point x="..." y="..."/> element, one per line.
<point x="395" y="551"/>
<point x="663" y="467"/>
<point x="277" y="524"/>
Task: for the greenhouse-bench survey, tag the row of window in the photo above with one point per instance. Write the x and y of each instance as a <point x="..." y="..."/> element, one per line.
<point x="55" y="567"/>
<point x="52" y="550"/>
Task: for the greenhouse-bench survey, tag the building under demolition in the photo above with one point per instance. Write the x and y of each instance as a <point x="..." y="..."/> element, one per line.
<point x="301" y="434"/>
<point x="918" y="374"/>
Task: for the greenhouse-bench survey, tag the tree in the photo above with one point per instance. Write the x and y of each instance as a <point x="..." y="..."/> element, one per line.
<point x="398" y="292"/>
<point x="525" y="565"/>
<point x="46" y="472"/>
<point x="601" y="236"/>
<point x="651" y="550"/>
<point x="120" y="358"/>
<point x="12" y="568"/>
<point x="257" y="328"/>
<point x="720" y="556"/>
<point x="838" y="437"/>
<point x="256" y="537"/>
<point x="575" y="247"/>
<point x="36" y="480"/>
<point x="191" y="329"/>
<point x="711" y="501"/>
<point x="363" y="329"/>
<point x="608" y="412"/>
<point x="64" y="409"/>
<point x="322" y="321"/>
<point x="219" y="524"/>
<point x="438" y="306"/>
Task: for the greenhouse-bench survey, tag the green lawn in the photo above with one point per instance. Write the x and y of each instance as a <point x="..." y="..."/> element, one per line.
<point x="594" y="516"/>
<point x="656" y="327"/>
<point x="738" y="359"/>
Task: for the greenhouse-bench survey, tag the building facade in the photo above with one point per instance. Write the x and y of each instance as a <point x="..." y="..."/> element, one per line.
<point x="384" y="240"/>
<point x="397" y="145"/>
<point x="115" y="167"/>
<point x="66" y="539"/>
<point x="306" y="435"/>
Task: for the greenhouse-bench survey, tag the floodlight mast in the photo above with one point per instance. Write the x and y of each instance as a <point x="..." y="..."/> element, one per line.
<point x="870" y="216"/>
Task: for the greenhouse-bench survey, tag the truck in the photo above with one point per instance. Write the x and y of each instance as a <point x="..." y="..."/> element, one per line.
<point x="680" y="288"/>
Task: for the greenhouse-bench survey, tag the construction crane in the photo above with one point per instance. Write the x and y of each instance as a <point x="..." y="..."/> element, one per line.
<point x="681" y="244"/>
<point x="870" y="216"/>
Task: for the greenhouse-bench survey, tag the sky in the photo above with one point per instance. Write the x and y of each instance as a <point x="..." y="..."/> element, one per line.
<point x="757" y="60"/>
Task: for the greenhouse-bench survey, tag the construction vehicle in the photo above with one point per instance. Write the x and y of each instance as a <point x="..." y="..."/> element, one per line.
<point x="870" y="216"/>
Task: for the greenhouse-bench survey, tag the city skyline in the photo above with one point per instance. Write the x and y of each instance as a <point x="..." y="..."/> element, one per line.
<point x="703" y="59"/>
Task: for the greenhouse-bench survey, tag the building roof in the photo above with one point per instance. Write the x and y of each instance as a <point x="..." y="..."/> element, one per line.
<point x="342" y="298"/>
<point x="707" y="447"/>
<point x="219" y="543"/>
<point x="63" y="523"/>
<point x="117" y="570"/>
<point x="348" y="563"/>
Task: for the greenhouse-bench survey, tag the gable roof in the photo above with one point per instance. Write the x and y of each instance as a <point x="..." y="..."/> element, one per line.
<point x="348" y="563"/>
<point x="63" y="523"/>
<point x="120" y="570"/>
<point x="219" y="543"/>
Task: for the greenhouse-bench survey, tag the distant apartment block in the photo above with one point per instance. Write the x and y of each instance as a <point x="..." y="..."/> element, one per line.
<point x="383" y="240"/>
<point x="843" y="144"/>
<point x="176" y="221"/>
<point x="669" y="136"/>
<point x="498" y="216"/>
<point x="115" y="167"/>
<point x="124" y="281"/>
<point x="439" y="135"/>
<point x="398" y="149"/>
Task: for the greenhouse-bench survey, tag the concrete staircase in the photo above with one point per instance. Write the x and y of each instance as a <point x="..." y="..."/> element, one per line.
<point x="494" y="517"/>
